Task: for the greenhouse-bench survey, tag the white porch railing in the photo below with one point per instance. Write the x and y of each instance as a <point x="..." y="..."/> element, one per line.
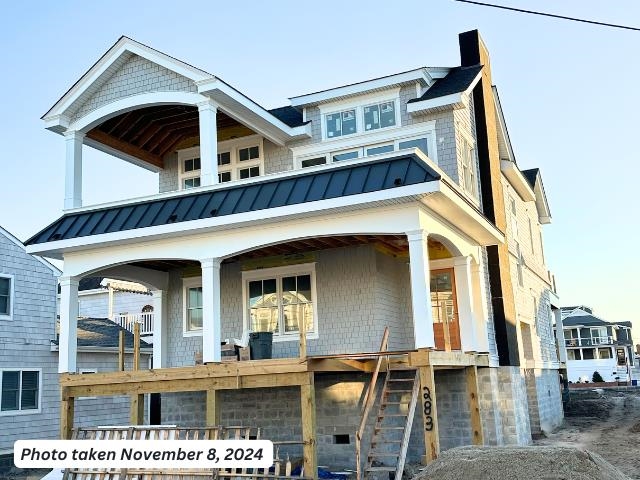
<point x="589" y="341"/>
<point x="144" y="319"/>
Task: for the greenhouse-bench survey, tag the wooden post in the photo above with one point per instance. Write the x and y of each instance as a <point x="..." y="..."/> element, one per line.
<point x="121" y="351"/>
<point x="447" y="334"/>
<point x="302" y="327"/>
<point x="213" y="408"/>
<point x="474" y="404"/>
<point x="136" y="413"/>
<point x="66" y="416"/>
<point x="308" y="404"/>
<point x="136" y="346"/>
<point x="429" y="413"/>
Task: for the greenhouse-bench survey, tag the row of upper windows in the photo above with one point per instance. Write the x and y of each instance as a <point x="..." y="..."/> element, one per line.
<point x="360" y="119"/>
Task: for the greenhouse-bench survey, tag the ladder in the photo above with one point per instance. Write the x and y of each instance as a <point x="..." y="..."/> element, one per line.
<point x="390" y="438"/>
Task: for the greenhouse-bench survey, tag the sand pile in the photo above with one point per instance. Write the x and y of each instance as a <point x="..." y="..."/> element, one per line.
<point x="520" y="463"/>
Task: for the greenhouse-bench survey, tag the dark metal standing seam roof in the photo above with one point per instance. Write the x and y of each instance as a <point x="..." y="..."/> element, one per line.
<point x="344" y="181"/>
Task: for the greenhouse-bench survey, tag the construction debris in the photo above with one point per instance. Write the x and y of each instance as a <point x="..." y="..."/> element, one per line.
<point x="520" y="463"/>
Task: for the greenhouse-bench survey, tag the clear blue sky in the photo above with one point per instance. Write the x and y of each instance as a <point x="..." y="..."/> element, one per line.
<point x="569" y="92"/>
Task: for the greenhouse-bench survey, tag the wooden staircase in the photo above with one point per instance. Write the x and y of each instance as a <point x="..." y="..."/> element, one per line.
<point x="390" y="438"/>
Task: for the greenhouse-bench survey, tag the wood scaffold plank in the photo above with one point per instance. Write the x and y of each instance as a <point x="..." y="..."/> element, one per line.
<point x="67" y="409"/>
<point x="213" y="407"/>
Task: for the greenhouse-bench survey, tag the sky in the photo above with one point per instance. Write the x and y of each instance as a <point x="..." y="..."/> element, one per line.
<point x="568" y="91"/>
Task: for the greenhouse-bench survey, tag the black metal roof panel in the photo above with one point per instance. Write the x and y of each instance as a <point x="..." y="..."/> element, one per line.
<point x="457" y="80"/>
<point x="337" y="182"/>
<point x="288" y="115"/>
<point x="586" y="320"/>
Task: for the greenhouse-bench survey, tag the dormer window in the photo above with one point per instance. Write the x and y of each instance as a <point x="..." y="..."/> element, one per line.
<point x="341" y="123"/>
<point x="380" y="115"/>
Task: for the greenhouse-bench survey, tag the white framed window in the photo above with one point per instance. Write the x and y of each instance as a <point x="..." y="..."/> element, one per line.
<point x="189" y="166"/>
<point x="21" y="391"/>
<point x="281" y="299"/>
<point x="422" y="142"/>
<point x="519" y="265"/>
<point x="341" y="123"/>
<point x="238" y="159"/>
<point x="6" y="296"/>
<point x="514" y="217"/>
<point x="362" y="115"/>
<point x="469" y="180"/>
<point x="379" y="115"/>
<point x="192" y="306"/>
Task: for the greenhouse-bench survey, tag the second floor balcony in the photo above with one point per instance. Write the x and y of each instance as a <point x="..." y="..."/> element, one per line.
<point x="589" y="341"/>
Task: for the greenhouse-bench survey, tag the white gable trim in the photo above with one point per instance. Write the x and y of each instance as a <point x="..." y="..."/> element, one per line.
<point x="109" y="58"/>
<point x="134" y="102"/>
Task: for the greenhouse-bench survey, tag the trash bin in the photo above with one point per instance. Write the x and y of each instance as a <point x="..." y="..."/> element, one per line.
<point x="634" y="383"/>
<point x="260" y="345"/>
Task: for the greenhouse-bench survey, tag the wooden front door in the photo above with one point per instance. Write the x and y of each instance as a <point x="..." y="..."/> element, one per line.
<point x="444" y="309"/>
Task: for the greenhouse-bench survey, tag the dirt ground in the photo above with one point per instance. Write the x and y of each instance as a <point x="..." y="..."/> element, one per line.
<point x="605" y="422"/>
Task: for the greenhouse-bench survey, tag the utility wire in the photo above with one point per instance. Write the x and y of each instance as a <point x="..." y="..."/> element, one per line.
<point x="550" y="15"/>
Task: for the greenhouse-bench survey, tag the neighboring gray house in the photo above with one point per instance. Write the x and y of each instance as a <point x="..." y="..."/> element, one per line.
<point x="30" y="392"/>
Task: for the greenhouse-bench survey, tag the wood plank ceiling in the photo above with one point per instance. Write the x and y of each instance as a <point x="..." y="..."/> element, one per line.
<point x="150" y="133"/>
<point x="395" y="245"/>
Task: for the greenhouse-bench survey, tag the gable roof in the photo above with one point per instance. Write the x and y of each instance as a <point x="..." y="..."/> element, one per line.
<point x="586" y="320"/>
<point x="102" y="332"/>
<point x="534" y="178"/>
<point x="352" y="179"/>
<point x="288" y="115"/>
<point x="459" y="79"/>
<point x="13" y="239"/>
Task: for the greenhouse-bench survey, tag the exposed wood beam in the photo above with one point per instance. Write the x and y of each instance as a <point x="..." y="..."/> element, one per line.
<point x="125" y="147"/>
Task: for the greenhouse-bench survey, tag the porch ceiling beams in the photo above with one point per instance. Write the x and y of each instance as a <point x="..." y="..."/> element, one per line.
<point x="150" y="133"/>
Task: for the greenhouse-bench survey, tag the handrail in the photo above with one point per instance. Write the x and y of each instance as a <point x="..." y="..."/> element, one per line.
<point x="369" y="399"/>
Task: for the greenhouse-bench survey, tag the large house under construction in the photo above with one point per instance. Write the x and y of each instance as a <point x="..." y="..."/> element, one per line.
<point x="379" y="230"/>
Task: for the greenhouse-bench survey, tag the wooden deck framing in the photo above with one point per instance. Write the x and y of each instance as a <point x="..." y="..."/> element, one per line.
<point x="274" y="373"/>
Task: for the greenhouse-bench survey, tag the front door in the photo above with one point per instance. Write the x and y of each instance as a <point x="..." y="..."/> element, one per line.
<point x="444" y="309"/>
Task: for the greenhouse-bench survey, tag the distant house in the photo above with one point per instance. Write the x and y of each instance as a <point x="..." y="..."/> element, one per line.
<point x="593" y="344"/>
<point x="30" y="394"/>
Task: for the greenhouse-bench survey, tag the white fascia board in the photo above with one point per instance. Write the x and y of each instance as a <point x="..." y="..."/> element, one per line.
<point x="290" y="133"/>
<point x="122" y="46"/>
<point x="419" y="75"/>
<point x="502" y="124"/>
<point x="520" y="184"/>
<point x="121" y="155"/>
<point x="542" y="204"/>
<point x="454" y="99"/>
<point x="409" y="192"/>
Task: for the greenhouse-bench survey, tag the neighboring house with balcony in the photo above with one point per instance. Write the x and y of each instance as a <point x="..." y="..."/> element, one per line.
<point x="30" y="392"/>
<point x="593" y="344"/>
<point x="384" y="203"/>
<point x="125" y="303"/>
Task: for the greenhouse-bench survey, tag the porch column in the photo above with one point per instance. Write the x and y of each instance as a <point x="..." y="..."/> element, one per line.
<point x="68" y="340"/>
<point x="420" y="289"/>
<point x="480" y="309"/>
<point x="208" y="143"/>
<point x="211" y="324"/>
<point x="159" y="328"/>
<point x="562" y="345"/>
<point x="464" y="295"/>
<point x="73" y="170"/>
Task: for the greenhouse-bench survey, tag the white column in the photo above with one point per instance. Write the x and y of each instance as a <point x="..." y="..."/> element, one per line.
<point x="159" y="328"/>
<point x="562" y="346"/>
<point x="420" y="289"/>
<point x="464" y="296"/>
<point x="68" y="339"/>
<point x="480" y="308"/>
<point x="208" y="143"/>
<point x="73" y="170"/>
<point x="211" y="324"/>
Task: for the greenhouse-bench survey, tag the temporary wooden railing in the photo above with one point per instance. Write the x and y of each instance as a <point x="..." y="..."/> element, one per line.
<point x="369" y="399"/>
<point x="282" y="469"/>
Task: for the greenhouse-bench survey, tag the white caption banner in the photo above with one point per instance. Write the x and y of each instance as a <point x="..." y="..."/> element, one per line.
<point x="143" y="453"/>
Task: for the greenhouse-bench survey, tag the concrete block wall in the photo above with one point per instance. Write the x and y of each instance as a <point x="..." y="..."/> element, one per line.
<point x="514" y="406"/>
<point x="548" y="390"/>
<point x="135" y="76"/>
